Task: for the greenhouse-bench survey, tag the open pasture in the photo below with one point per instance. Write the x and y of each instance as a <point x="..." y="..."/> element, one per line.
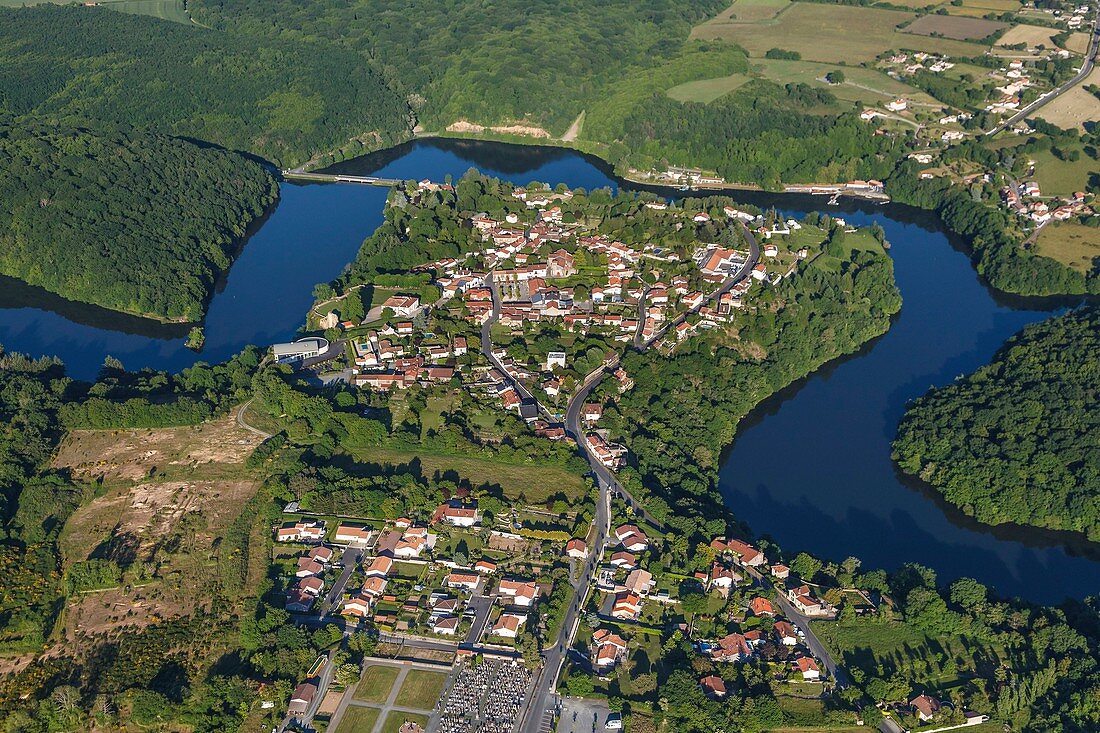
<point x="746" y="11"/>
<point x="707" y="90"/>
<point x="1076" y="107"/>
<point x="1074" y="245"/>
<point x="834" y="33"/>
<point x="957" y="27"/>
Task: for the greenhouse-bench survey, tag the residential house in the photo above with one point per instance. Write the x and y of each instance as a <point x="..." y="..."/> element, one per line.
<point x="485" y="567"/>
<point x="522" y="593"/>
<point x="576" y="548"/>
<point x="352" y="534"/>
<point x="639" y="582"/>
<point x="809" y="669"/>
<point x="761" y="606"/>
<point x="302" y="698"/>
<point x="508" y="625"/>
<point x="780" y="572"/>
<point x="732" y="648"/>
<point x="560" y="264"/>
<point x="632" y="538"/>
<point x="623" y="559"/>
<point x="609" y="648"/>
<point x="713" y="686"/>
<point x="446" y="625"/>
<point x="925" y="707"/>
<point x="465" y="581"/>
<point x="627" y="606"/>
<point x="301" y="532"/>
<point x="357" y="606"/>
<point x="785" y="633"/>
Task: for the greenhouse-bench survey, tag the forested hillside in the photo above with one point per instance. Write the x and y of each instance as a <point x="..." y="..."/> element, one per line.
<point x="684" y="410"/>
<point x="135" y="222"/>
<point x="284" y="100"/>
<point x="491" y="62"/>
<point x="1018" y="440"/>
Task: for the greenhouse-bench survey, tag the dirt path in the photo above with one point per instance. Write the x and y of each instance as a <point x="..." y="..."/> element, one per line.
<point x="574" y="129"/>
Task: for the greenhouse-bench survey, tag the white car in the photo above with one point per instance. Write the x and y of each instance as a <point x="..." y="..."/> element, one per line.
<point x="614" y="722"/>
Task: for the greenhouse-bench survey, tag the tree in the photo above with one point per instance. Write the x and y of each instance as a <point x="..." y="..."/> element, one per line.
<point x="835" y="77"/>
<point x="806" y="566"/>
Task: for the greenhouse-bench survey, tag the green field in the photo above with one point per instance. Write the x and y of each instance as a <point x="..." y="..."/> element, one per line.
<point x="421" y="689"/>
<point x="860" y="85"/>
<point x="376" y="683"/>
<point x="707" y="90"/>
<point x="1062" y="177"/>
<point x="164" y="9"/>
<point x="358" y="720"/>
<point x="1074" y="245"/>
<point x="874" y="646"/>
<point x="748" y="11"/>
<point x="396" y="719"/>
<point x="534" y="483"/>
<point x="833" y="33"/>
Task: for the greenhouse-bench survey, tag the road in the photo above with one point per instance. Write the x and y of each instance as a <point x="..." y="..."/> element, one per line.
<point x="1086" y="68"/>
<point x="543" y="702"/>
<point x="349" y="560"/>
<point x="241" y="421"/>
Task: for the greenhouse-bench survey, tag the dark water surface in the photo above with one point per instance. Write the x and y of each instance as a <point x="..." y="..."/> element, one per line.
<point x="810" y="468"/>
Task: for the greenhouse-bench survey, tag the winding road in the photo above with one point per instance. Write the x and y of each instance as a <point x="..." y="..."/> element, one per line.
<point x="542" y="702"/>
<point x="1086" y="69"/>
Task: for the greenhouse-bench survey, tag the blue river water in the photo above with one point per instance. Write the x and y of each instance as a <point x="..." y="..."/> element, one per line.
<point x="810" y="468"/>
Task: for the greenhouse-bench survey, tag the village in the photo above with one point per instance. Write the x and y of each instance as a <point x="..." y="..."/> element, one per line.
<point x="542" y="301"/>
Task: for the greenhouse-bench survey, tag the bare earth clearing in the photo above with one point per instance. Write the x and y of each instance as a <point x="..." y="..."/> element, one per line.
<point x="170" y="496"/>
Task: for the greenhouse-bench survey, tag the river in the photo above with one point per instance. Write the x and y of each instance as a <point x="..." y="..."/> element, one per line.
<point x="810" y="468"/>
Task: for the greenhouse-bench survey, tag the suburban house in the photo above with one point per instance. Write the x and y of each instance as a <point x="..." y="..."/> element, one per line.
<point x="632" y="538"/>
<point x="307" y="567"/>
<point x="485" y="567"/>
<point x="803" y="599"/>
<point x="591" y="412"/>
<point x="576" y="548"/>
<point x="321" y="554"/>
<point x="508" y="625"/>
<point x="560" y="264"/>
<point x="446" y="625"/>
<point x="352" y="534"/>
<point x="298" y="601"/>
<point x="780" y="572"/>
<point x="721" y="577"/>
<point x="627" y="606"/>
<point x="312" y="585"/>
<point x="623" y="559"/>
<point x="609" y="648"/>
<point x="713" y="686"/>
<point x="402" y="306"/>
<point x="522" y="593"/>
<point x="379" y="567"/>
<point x="639" y="581"/>
<point x="732" y="648"/>
<point x="925" y="706"/>
<point x="808" y="667"/>
<point x="761" y="606"/>
<point x="302" y="698"/>
<point x="357" y="606"/>
<point x="301" y="532"/>
<point x="457" y="514"/>
<point x="458" y="579"/>
<point x="785" y="633"/>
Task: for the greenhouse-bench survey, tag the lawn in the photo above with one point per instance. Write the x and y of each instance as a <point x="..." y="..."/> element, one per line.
<point x="376" y="683"/>
<point x="421" y="689"/>
<point x="358" y="720"/>
<point x="1074" y="245"/>
<point x="707" y="90"/>
<point x="812" y="714"/>
<point x="528" y="482"/>
<point x="396" y="719"/>
<point x="833" y="33"/>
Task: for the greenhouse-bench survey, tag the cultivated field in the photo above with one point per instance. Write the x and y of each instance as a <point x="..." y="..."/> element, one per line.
<point x="1074" y="245"/>
<point x="833" y="33"/>
<point x="747" y="11"/>
<point x="1035" y="36"/>
<point x="1075" y="107"/>
<point x="707" y="90"/>
<point x="979" y="8"/>
<point x="957" y="27"/>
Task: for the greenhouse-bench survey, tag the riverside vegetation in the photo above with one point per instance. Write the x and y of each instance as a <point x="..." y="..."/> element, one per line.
<point x="135" y="222"/>
<point x="1016" y="441"/>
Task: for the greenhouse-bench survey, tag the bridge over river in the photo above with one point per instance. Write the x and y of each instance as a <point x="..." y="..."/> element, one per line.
<point x="339" y="178"/>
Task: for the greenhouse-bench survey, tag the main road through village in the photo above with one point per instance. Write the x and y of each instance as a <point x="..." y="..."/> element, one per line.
<point x="542" y="703"/>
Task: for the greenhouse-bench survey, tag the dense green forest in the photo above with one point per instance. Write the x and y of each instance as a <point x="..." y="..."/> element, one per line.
<point x="828" y="309"/>
<point x="135" y="222"/>
<point x="542" y="61"/>
<point x="1019" y="439"/>
<point x="284" y="100"/>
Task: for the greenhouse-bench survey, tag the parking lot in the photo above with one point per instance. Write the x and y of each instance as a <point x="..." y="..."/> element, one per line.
<point x="582" y="716"/>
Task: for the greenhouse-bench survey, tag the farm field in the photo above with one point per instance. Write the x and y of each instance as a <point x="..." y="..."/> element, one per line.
<point x="357" y="719"/>
<point x="833" y="33"/>
<point x="1074" y="245"/>
<point x="860" y="85"/>
<point x="421" y="689"/>
<point x="958" y="27"/>
<point x="748" y="11"/>
<point x="1075" y="107"/>
<point x="707" y="90"/>
<point x="534" y="483"/>
<point x="979" y="8"/>
<point x="164" y="9"/>
<point x="1034" y="35"/>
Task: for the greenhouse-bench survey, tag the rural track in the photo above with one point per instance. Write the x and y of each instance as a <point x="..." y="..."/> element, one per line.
<point x="241" y="421"/>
